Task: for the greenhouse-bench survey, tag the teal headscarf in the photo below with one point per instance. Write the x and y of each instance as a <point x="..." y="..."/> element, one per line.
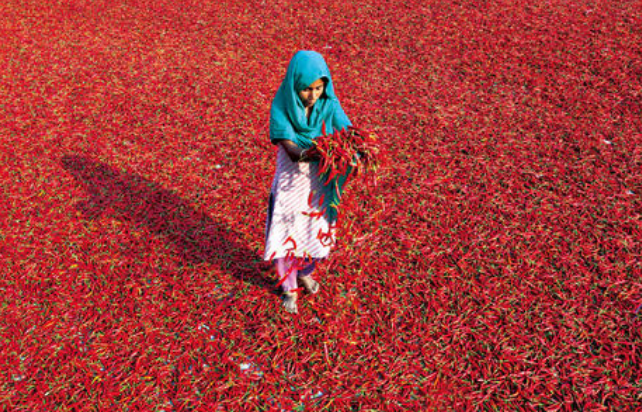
<point x="289" y="122"/>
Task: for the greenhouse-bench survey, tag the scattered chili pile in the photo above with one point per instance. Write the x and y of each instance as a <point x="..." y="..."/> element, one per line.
<point x="496" y="267"/>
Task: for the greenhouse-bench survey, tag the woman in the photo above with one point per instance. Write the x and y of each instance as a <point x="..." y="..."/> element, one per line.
<point x="302" y="213"/>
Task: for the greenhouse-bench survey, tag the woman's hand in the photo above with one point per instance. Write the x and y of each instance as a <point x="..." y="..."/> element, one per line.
<point x="296" y="154"/>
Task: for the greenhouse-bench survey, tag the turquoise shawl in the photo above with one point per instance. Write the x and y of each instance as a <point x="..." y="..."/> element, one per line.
<point x="289" y="122"/>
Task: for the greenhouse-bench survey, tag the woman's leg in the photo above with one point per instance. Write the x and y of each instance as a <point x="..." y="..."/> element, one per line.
<point x="308" y="268"/>
<point x="305" y="276"/>
<point x="287" y="272"/>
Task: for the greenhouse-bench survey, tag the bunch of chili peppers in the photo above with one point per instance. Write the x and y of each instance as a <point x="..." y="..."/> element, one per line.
<point x="349" y="150"/>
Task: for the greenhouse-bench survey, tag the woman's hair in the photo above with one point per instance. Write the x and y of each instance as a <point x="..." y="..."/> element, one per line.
<point x="325" y="86"/>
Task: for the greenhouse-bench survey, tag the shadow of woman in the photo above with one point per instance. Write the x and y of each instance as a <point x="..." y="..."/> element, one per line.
<point x="195" y="236"/>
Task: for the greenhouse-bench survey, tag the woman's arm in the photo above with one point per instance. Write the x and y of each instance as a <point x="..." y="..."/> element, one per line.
<point x="295" y="153"/>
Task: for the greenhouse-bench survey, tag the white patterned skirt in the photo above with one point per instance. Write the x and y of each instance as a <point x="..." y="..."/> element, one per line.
<point x="296" y="226"/>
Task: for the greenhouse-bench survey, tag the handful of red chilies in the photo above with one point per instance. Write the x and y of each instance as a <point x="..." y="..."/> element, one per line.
<point x="351" y="147"/>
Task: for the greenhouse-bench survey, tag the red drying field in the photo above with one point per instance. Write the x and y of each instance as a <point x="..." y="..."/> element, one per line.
<point x="495" y="266"/>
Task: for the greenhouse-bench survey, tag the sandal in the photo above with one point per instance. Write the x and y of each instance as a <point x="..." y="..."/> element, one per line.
<point x="311" y="285"/>
<point x="289" y="302"/>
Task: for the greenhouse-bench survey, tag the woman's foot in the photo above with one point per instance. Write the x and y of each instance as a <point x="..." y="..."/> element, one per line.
<point x="311" y="285"/>
<point x="289" y="302"/>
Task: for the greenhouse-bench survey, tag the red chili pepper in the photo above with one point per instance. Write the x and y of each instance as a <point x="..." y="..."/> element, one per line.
<point x="290" y="240"/>
<point x="310" y="197"/>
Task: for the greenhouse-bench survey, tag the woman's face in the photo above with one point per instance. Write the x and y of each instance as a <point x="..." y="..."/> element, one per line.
<point x="311" y="94"/>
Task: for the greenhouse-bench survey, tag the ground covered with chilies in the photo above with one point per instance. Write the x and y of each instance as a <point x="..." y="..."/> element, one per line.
<point x="494" y="266"/>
